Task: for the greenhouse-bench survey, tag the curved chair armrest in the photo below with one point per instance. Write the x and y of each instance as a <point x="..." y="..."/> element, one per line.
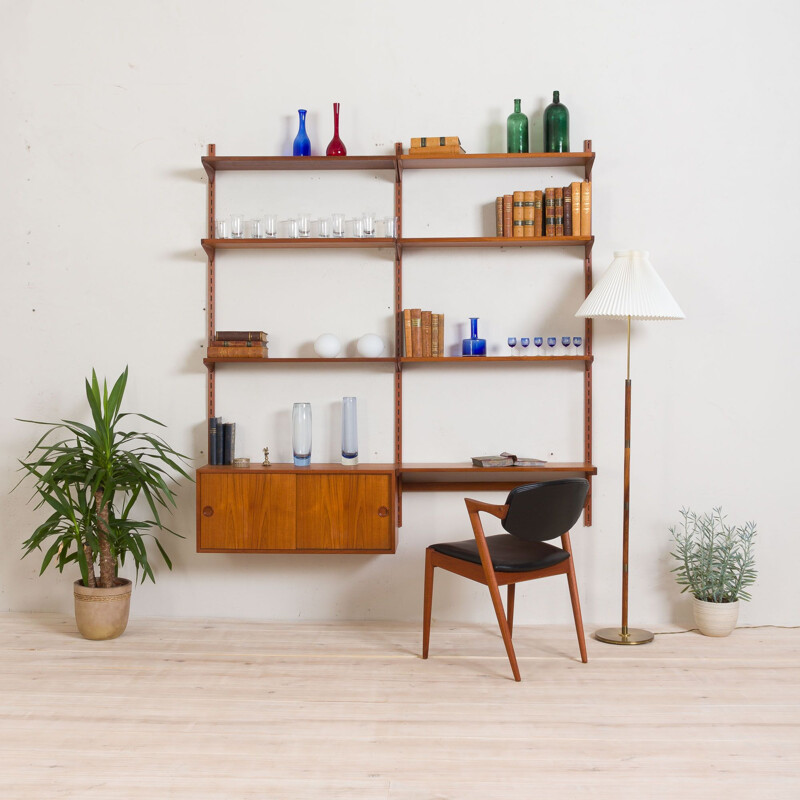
<point x="473" y="506"/>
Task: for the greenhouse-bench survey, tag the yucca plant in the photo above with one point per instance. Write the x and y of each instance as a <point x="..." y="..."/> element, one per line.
<point x="91" y="477"/>
<point x="715" y="560"/>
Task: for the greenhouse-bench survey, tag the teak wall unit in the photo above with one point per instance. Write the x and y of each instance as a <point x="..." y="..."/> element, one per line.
<point x="328" y="508"/>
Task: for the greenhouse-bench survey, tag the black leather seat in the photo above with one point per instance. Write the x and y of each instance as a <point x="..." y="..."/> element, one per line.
<point x="532" y="514"/>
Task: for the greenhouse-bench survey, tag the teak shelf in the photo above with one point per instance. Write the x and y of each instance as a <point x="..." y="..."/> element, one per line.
<point x="327" y="508"/>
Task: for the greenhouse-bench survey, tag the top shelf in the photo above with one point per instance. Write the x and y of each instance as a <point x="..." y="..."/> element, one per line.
<point x="399" y="163"/>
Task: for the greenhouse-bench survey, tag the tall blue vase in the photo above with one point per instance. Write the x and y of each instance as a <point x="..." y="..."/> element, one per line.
<point x="473" y="346"/>
<point x="302" y="144"/>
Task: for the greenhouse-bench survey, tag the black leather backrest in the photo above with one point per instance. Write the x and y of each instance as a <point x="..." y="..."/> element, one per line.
<point x="541" y="511"/>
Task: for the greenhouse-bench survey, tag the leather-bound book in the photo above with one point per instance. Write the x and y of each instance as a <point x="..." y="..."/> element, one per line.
<point x="538" y="213"/>
<point x="426" y="334"/>
<point x="238" y="343"/>
<point x="447" y="150"/>
<point x="441" y="335"/>
<point x="567" y="211"/>
<point x="416" y="332"/>
<point x="559" y="197"/>
<point x="518" y="210"/>
<point x="237" y="352"/>
<point x="508" y="215"/>
<point x="528" y="204"/>
<point x="586" y="208"/>
<point x="228" y="442"/>
<point x="219" y="441"/>
<point x="435" y="141"/>
<point x="434" y="336"/>
<point x="576" y="208"/>
<point x="498" y="210"/>
<point x="407" y="332"/>
<point x="246" y="336"/>
<point x="549" y="212"/>
<point x="213" y="422"/>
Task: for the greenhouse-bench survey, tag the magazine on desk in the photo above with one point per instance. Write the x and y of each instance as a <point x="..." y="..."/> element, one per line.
<point x="506" y="460"/>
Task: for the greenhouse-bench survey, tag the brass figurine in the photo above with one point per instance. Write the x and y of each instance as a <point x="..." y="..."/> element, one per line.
<point x="266" y="462"/>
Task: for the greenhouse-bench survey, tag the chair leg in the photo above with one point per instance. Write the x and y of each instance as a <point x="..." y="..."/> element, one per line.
<point x="497" y="602"/>
<point x="510" y="608"/>
<point x="576" y="609"/>
<point x="428" y="603"/>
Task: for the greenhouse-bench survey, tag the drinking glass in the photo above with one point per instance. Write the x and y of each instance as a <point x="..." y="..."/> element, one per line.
<point x="256" y="228"/>
<point x="293" y="228"/>
<point x="271" y="225"/>
<point x="237" y="226"/>
<point x="222" y="229"/>
<point x="391" y="227"/>
<point x="538" y="342"/>
<point x="512" y="343"/>
<point x="324" y="227"/>
<point x="551" y="345"/>
<point x="304" y="225"/>
<point x="358" y="228"/>
<point x="524" y="341"/>
<point x="368" y="221"/>
<point x="566" y="341"/>
<point x="578" y="342"/>
<point x="337" y="221"/>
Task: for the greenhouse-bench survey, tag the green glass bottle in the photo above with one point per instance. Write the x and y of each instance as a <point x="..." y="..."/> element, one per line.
<point x="517" y="130"/>
<point x="556" y="127"/>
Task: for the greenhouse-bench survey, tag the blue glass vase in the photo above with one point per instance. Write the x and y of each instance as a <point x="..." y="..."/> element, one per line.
<point x="302" y="144"/>
<point x="473" y="346"/>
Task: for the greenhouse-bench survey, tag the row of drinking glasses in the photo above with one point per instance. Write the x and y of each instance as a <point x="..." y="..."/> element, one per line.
<point x="569" y="345"/>
<point x="303" y="227"/>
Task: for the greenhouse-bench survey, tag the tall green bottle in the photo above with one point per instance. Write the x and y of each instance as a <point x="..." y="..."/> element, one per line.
<point x="556" y="127"/>
<point x="517" y="131"/>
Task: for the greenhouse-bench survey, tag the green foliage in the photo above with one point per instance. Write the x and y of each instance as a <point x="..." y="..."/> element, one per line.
<point x="82" y="471"/>
<point x="715" y="560"/>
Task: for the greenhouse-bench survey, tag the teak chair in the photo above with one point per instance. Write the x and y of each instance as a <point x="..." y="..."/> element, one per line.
<point x="532" y="514"/>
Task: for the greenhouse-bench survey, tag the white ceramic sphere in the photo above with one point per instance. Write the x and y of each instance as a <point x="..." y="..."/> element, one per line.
<point x="370" y="345"/>
<point x="327" y="346"/>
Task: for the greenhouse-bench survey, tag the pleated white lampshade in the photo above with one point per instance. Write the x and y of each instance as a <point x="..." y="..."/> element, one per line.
<point x="630" y="288"/>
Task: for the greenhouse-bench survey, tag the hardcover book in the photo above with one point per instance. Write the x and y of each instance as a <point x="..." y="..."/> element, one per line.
<point x="549" y="212"/>
<point x="237" y="352"/>
<point x="498" y="211"/>
<point x="576" y="208"/>
<point x="586" y="208"/>
<point x="238" y="343"/>
<point x="528" y="212"/>
<point x="441" y="335"/>
<point x="228" y="442"/>
<point x="434" y="336"/>
<point x="447" y="150"/>
<point x="435" y="141"/>
<point x="508" y="215"/>
<point x="559" y="206"/>
<point x="567" y="211"/>
<point x="416" y="332"/>
<point x="506" y="460"/>
<point x="218" y="459"/>
<point x="518" y="220"/>
<point x="426" y="334"/>
<point x="407" y="332"/>
<point x="245" y="336"/>
<point x="213" y="425"/>
<point x="538" y="213"/>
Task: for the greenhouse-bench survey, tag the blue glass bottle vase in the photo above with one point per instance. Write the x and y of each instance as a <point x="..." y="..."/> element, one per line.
<point x="473" y="346"/>
<point x="302" y="144"/>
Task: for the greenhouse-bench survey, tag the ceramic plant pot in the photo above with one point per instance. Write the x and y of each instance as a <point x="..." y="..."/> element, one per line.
<point x="715" y="619"/>
<point x="102" y="613"/>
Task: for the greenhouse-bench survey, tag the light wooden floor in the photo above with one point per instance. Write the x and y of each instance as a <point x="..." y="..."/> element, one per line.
<point x="217" y="709"/>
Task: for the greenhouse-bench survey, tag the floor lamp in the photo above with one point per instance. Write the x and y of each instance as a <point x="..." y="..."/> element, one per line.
<point x="630" y="289"/>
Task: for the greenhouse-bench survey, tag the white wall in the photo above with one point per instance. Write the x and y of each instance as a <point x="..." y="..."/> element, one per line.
<point x="107" y="109"/>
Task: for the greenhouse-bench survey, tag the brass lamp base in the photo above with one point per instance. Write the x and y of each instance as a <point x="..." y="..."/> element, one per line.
<point x="630" y="636"/>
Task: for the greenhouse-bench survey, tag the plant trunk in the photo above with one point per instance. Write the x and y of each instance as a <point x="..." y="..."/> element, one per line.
<point x="106" y="559"/>
<point x="90" y="564"/>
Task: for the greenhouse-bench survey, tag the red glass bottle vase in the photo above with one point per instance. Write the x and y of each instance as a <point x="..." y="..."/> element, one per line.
<point x="336" y="146"/>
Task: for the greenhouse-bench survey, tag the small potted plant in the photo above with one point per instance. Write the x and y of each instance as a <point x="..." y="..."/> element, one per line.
<point x="716" y="564"/>
<point x="90" y="476"/>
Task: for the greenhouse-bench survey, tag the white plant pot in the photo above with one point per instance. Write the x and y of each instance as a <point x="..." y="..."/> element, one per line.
<point x="715" y="619"/>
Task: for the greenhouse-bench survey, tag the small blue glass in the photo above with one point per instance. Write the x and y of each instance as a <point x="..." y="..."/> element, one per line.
<point x="551" y="344"/>
<point x="473" y="346"/>
<point x="538" y="342"/>
<point x="566" y="341"/>
<point x="578" y="342"/>
<point x="524" y="341"/>
<point x="512" y="343"/>
<point x="302" y="144"/>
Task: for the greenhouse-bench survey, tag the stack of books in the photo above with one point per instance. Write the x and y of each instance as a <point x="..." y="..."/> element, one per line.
<point x="423" y="333"/>
<point x="506" y="460"/>
<point x="221" y="441"/>
<point x="436" y="146"/>
<point x="555" y="211"/>
<point x="238" y="344"/>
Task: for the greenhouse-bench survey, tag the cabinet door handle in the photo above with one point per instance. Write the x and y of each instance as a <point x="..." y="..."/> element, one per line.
<point x="208" y="511"/>
<point x="383" y="511"/>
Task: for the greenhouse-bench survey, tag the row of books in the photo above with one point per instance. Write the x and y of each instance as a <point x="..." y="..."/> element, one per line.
<point x="221" y="441"/>
<point x="423" y="333"/>
<point x="555" y="211"/>
<point x="239" y="344"/>
<point x="435" y="146"/>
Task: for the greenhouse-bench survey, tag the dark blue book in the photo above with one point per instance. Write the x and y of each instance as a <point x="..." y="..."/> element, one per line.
<point x="213" y="433"/>
<point x="228" y="442"/>
<point x="218" y="459"/>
